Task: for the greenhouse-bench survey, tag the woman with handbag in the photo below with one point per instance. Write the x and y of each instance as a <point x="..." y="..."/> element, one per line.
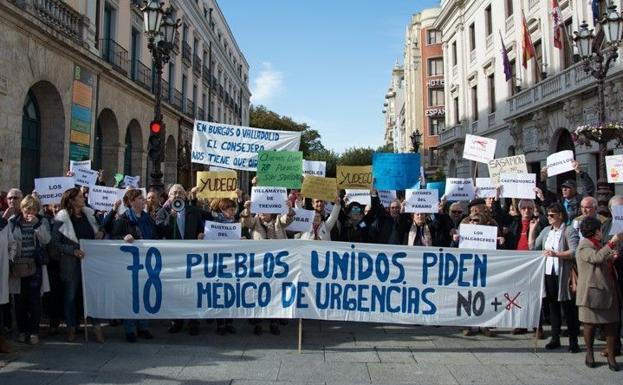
<point x="29" y="276"/>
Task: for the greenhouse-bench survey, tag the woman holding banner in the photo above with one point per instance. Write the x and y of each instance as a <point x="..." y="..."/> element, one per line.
<point x="135" y="223"/>
<point x="74" y="222"/>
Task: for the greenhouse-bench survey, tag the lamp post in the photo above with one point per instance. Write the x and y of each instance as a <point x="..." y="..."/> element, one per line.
<point x="597" y="61"/>
<point x="161" y="29"/>
<point x="416" y="140"/>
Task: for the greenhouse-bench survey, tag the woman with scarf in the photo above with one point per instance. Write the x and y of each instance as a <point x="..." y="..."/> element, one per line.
<point x="133" y="224"/>
<point x="597" y="296"/>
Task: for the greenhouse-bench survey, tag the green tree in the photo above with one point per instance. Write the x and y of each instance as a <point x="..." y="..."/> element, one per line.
<point x="330" y="157"/>
<point x="356" y="156"/>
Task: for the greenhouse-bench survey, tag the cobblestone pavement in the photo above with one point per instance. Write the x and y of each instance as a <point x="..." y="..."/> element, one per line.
<point x="333" y="353"/>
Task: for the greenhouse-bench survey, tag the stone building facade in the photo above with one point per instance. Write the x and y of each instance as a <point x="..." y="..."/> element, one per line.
<point x="76" y="82"/>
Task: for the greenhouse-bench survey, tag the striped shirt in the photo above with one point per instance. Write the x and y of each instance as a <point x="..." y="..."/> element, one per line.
<point x="28" y="239"/>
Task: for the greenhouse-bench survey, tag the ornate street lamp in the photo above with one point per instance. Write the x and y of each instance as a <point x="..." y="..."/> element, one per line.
<point x="161" y="29"/>
<point x="597" y="61"/>
<point x="416" y="140"/>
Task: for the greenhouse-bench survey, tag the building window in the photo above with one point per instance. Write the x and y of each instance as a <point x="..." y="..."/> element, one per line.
<point x="491" y="84"/>
<point x="184" y="92"/>
<point x="184" y="33"/>
<point x="509" y="8"/>
<point x="457" y="120"/>
<point x="538" y="60"/>
<point x="433" y="36"/>
<point x="475" y="103"/>
<point x="435" y="97"/>
<point x="455" y="58"/>
<point x="513" y="79"/>
<point x="488" y="21"/>
<point x="435" y="67"/>
<point x="436" y="125"/>
<point x="472" y="37"/>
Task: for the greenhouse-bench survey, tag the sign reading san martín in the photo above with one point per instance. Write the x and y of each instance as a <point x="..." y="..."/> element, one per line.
<point x="237" y="147"/>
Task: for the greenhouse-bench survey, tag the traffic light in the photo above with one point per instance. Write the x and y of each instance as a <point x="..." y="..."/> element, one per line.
<point x="154" y="147"/>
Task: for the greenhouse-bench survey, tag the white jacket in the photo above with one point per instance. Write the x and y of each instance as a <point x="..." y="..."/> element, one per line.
<point x="42" y="237"/>
<point x="7" y="253"/>
<point x="325" y="227"/>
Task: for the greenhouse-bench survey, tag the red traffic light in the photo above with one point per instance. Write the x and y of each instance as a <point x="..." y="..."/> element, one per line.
<point x="155" y="126"/>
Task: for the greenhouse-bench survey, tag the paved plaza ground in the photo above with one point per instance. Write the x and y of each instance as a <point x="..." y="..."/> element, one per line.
<point x="333" y="353"/>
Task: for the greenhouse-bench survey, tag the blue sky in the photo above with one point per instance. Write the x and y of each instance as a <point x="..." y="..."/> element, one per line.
<point x="325" y="63"/>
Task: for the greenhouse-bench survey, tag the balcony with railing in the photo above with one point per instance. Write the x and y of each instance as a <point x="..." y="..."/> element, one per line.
<point x="510" y="23"/>
<point x="165" y="91"/>
<point x="206" y="76"/>
<point x="190" y="108"/>
<point x="177" y="99"/>
<point x="200" y="114"/>
<point x="472" y="56"/>
<point x="491" y="120"/>
<point x="474" y="127"/>
<point x="555" y="87"/>
<point x="142" y="75"/>
<point x="59" y="16"/>
<point x="220" y="90"/>
<point x="186" y="54"/>
<point x="197" y="65"/>
<point x="452" y="134"/>
<point x="489" y="41"/>
<point x="115" y="54"/>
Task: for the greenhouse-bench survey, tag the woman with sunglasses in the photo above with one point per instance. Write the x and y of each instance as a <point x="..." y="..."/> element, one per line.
<point x="559" y="243"/>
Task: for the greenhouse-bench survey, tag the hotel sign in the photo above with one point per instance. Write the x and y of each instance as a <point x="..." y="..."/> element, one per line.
<point x="436" y="83"/>
<point x="433" y="112"/>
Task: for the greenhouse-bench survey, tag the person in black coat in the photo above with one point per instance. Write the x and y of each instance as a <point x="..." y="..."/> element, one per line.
<point x="390" y="228"/>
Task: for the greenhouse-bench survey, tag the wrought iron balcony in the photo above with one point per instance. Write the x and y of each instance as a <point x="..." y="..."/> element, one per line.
<point x="165" y="91"/>
<point x="190" y="108"/>
<point x="142" y="75"/>
<point x="186" y="54"/>
<point x="115" y="54"/>
<point x="177" y="99"/>
<point x="452" y="134"/>
<point x="206" y="76"/>
<point x="200" y="114"/>
<point x="197" y="65"/>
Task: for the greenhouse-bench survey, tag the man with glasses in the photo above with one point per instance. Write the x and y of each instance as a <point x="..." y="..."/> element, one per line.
<point x="14" y="197"/>
<point x="588" y="208"/>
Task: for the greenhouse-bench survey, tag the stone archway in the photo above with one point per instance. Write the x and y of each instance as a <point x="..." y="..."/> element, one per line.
<point x="561" y="141"/>
<point x="43" y="123"/>
<point x="133" y="154"/>
<point x="107" y="146"/>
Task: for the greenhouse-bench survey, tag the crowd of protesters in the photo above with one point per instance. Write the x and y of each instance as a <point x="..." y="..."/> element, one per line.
<point x="40" y="250"/>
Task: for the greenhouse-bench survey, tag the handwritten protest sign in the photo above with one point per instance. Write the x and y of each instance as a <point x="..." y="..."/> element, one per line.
<point x="217" y="184"/>
<point x="459" y="189"/>
<point x="485" y="188"/>
<point x="386" y="197"/>
<point x="76" y="164"/>
<point x="50" y="190"/>
<point x="303" y="220"/>
<point x="421" y="201"/>
<point x="614" y="168"/>
<point x="398" y="171"/>
<point x="359" y="196"/>
<point x="131" y="181"/>
<point x="269" y="200"/>
<point x="560" y="162"/>
<point x="477" y="237"/>
<point x="318" y="187"/>
<point x="280" y="169"/>
<point x="103" y="198"/>
<point x="519" y="186"/>
<point x="306" y="279"/>
<point x="314" y="167"/>
<point x="237" y="147"/>
<point x="354" y="177"/>
<point x="479" y="148"/>
<point x="510" y="165"/>
<point x="84" y="177"/>
<point x="216" y="231"/>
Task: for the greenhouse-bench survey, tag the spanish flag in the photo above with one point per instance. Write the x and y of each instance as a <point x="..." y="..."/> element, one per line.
<point x="526" y="44"/>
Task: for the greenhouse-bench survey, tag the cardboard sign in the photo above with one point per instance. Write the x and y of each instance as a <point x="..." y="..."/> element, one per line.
<point x="314" y="167"/>
<point x="303" y="220"/>
<point x="614" y="168"/>
<point x="386" y="197"/>
<point x="318" y="187"/>
<point x="479" y="148"/>
<point x="103" y="198"/>
<point x="213" y="184"/>
<point x="131" y="181"/>
<point x="510" y="165"/>
<point x="50" y="190"/>
<point x="520" y="186"/>
<point x="421" y="201"/>
<point x="354" y="177"/>
<point x="484" y="188"/>
<point x="84" y="177"/>
<point x="477" y="237"/>
<point x="269" y="200"/>
<point x="459" y="189"/>
<point x="560" y="162"/>
<point x="215" y="231"/>
<point x="75" y="164"/>
<point x="398" y="171"/>
<point x="280" y="169"/>
<point x="357" y="195"/>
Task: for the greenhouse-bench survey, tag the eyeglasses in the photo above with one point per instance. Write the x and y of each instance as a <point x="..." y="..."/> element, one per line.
<point x="456" y="212"/>
<point x="552" y="215"/>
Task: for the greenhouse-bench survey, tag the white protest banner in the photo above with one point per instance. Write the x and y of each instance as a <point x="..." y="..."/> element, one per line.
<point x="131" y="181"/>
<point x="459" y="189"/>
<point x="237" y="147"/>
<point x="303" y="220"/>
<point x="617" y="220"/>
<point x="484" y="188"/>
<point x="84" y="177"/>
<point x="479" y="148"/>
<point x="614" y="168"/>
<point x="477" y="237"/>
<point x="386" y="197"/>
<point x="520" y="186"/>
<point x="314" y="167"/>
<point x="510" y="165"/>
<point x="50" y="190"/>
<point x="216" y="231"/>
<point x="359" y="196"/>
<point x="560" y="162"/>
<point x="103" y="198"/>
<point x="159" y="279"/>
<point x="269" y="200"/>
<point x="421" y="201"/>
<point x="75" y="164"/>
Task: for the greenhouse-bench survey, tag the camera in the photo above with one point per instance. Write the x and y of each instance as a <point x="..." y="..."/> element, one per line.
<point x="178" y="205"/>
